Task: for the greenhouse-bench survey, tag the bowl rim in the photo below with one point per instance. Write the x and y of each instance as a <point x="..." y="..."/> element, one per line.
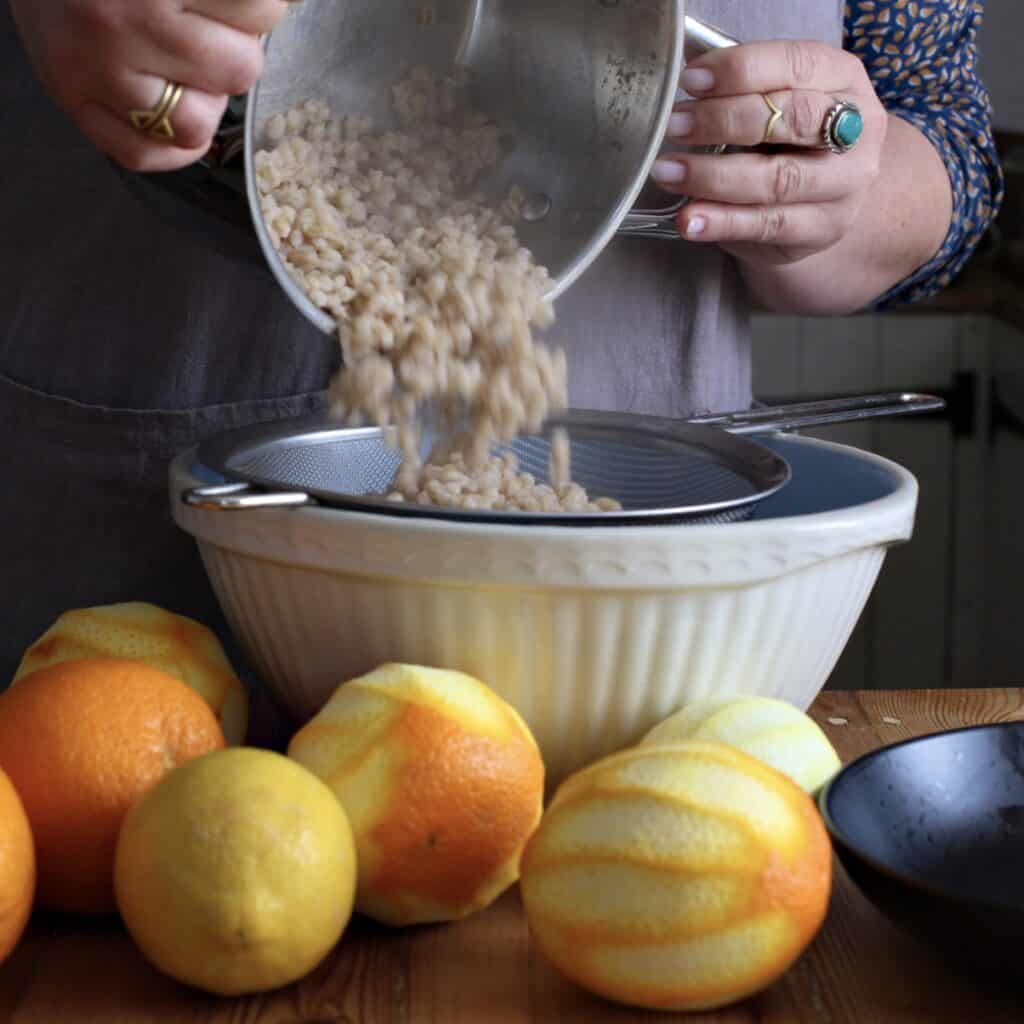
<point x="842" y="838"/>
<point x="905" y="489"/>
<point x="637" y="559"/>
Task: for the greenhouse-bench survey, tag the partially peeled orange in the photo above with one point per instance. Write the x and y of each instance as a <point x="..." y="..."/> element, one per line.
<point x="678" y="877"/>
<point x="138" y="631"/>
<point x="442" y="782"/>
<point x="773" y="731"/>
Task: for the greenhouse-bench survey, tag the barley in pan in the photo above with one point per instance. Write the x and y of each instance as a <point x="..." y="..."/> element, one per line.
<point x="435" y="299"/>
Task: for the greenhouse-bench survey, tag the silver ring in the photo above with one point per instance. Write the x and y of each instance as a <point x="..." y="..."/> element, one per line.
<point x="842" y="127"/>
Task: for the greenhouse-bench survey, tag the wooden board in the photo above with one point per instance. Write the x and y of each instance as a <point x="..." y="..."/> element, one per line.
<point x="859" y="970"/>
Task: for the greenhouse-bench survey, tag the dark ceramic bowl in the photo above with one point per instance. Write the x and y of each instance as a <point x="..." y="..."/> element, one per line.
<point x="932" y="830"/>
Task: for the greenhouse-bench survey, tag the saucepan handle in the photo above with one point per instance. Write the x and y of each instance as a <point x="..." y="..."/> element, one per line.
<point x="640" y="223"/>
<point x="703" y="37"/>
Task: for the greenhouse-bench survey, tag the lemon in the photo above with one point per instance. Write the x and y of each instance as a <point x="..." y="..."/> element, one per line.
<point x="773" y="731"/>
<point x="236" y="873"/>
<point x="685" y="876"/>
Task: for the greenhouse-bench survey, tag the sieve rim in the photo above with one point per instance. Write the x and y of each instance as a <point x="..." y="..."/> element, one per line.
<point x="763" y="469"/>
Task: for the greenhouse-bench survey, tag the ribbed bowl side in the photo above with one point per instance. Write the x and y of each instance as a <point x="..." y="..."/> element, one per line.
<point x="590" y="671"/>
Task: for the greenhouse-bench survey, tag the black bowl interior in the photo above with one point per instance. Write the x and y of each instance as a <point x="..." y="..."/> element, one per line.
<point x="932" y="830"/>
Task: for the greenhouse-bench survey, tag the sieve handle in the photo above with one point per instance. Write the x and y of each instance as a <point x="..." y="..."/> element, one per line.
<point x="823" y="413"/>
<point x="242" y="497"/>
<point x="662" y="223"/>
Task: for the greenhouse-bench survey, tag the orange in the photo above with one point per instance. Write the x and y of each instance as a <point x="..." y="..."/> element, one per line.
<point x="82" y="741"/>
<point x="678" y="877"/>
<point x="177" y="645"/>
<point x="442" y="783"/>
<point x="17" y="868"/>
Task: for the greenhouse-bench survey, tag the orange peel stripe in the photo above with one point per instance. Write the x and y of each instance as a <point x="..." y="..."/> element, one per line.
<point x="546" y="864"/>
<point x="357" y="761"/>
<point x="605" y="934"/>
<point x="691" y="997"/>
<point x="507" y="729"/>
<point x="622" y="794"/>
<point x="705" y="752"/>
<point x="693" y="750"/>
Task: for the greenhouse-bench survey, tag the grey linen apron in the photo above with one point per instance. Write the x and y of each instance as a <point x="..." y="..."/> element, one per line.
<point x="122" y="343"/>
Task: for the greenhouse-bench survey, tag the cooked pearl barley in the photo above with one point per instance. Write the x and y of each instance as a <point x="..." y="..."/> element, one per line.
<point x="436" y="301"/>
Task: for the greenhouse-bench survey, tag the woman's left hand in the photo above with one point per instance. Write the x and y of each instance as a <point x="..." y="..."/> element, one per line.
<point x="780" y="205"/>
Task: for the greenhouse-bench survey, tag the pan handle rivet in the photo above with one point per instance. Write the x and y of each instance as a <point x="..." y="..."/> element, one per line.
<point x="536" y="207"/>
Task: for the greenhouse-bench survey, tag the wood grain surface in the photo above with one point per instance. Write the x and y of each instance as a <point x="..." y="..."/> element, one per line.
<point x="859" y="970"/>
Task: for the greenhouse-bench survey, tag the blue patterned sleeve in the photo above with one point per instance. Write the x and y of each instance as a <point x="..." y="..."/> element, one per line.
<point x="923" y="61"/>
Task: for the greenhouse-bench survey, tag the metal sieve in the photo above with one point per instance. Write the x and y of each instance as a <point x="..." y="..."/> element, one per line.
<point x="661" y="470"/>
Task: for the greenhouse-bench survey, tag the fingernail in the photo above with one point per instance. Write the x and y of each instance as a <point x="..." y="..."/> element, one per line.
<point x="680" y="125"/>
<point x="695" y="226"/>
<point x="695" y="80"/>
<point x="668" y="172"/>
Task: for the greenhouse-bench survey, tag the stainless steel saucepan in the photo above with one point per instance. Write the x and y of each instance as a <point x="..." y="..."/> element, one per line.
<point x="585" y="88"/>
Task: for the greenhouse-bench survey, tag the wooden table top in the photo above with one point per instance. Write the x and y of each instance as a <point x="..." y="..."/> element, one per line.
<point x="859" y="970"/>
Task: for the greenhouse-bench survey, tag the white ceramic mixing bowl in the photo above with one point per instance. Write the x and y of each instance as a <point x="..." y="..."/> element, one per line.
<point x="594" y="634"/>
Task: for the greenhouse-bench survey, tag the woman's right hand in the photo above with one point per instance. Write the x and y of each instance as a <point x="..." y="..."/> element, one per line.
<point x="101" y="60"/>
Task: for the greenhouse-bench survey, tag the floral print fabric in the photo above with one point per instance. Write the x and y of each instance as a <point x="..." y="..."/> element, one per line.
<point x="923" y="61"/>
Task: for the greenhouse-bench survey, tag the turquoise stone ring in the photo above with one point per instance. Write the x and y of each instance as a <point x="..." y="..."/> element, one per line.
<point x="842" y="128"/>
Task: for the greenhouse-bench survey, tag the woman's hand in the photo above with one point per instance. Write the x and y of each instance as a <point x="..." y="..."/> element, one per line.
<point x="780" y="206"/>
<point x="101" y="60"/>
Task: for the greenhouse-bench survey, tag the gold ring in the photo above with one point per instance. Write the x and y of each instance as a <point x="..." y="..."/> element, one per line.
<point x="772" y="121"/>
<point x="157" y="121"/>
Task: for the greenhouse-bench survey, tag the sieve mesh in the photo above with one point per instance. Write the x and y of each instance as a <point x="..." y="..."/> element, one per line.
<point x="343" y="465"/>
<point x="657" y="469"/>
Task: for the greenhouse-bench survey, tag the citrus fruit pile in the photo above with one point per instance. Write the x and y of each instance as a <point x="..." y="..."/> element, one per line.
<point x="687" y="872"/>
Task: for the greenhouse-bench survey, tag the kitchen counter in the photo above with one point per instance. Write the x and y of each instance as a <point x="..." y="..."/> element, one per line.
<point x="859" y="970"/>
